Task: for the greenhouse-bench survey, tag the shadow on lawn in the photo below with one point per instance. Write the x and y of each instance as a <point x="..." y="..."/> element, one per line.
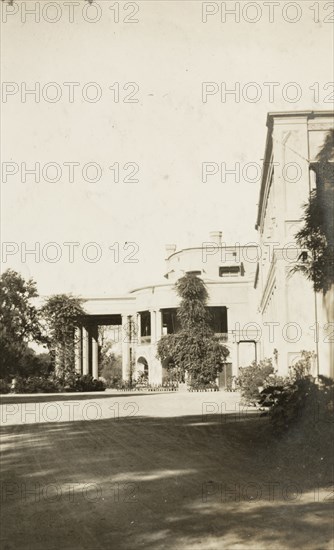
<point x="173" y="483"/>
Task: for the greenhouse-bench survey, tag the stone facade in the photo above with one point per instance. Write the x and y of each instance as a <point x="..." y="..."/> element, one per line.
<point x="260" y="309"/>
<point x="293" y="316"/>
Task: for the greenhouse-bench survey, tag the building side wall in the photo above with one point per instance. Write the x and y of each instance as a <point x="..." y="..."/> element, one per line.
<point x="287" y="301"/>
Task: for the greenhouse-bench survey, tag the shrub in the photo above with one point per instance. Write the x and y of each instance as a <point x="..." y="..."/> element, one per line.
<point x="142" y="380"/>
<point x="126" y="385"/>
<point x="302" y="401"/>
<point x="111" y="369"/>
<point x="4" y="387"/>
<point x="113" y="381"/>
<point x="83" y="383"/>
<point x="36" y="384"/>
<point x="302" y="368"/>
<point x="253" y="379"/>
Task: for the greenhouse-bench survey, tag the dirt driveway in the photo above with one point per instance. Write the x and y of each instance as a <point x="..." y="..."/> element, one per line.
<point x="169" y="471"/>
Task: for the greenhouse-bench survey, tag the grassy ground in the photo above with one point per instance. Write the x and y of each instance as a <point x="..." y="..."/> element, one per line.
<point x="156" y="471"/>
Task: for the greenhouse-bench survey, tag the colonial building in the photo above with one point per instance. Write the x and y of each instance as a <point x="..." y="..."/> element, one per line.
<point x="293" y="316"/>
<point x="260" y="307"/>
<point x="144" y="315"/>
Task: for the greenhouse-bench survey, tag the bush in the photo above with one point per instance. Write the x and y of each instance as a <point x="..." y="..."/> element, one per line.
<point x="113" y="381"/>
<point x="83" y="383"/>
<point x="142" y="380"/>
<point x="111" y="370"/>
<point x="254" y="378"/>
<point x="302" y="368"/>
<point x="126" y="385"/>
<point x="35" y="384"/>
<point x="4" y="387"/>
<point x="302" y="401"/>
<point x="72" y="382"/>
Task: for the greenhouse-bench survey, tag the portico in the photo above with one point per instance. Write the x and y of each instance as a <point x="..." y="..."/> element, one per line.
<point x="114" y="311"/>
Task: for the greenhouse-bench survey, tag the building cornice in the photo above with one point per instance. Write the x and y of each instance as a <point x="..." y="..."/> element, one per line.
<point x="269" y="146"/>
<point x="223" y="246"/>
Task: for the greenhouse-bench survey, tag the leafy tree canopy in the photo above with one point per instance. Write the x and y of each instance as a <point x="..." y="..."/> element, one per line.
<point x="62" y="313"/>
<point x="194" y="348"/>
<point x="317" y="233"/>
<point x="19" y="323"/>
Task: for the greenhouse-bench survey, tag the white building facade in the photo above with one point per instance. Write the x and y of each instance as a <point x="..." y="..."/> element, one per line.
<point x="144" y="315"/>
<point x="259" y="308"/>
<point x="293" y="316"/>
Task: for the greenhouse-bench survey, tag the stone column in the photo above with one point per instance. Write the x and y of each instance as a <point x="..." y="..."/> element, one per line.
<point x="125" y="348"/>
<point x="77" y="349"/>
<point x="95" y="352"/>
<point x="153" y="327"/>
<point x="85" y="351"/>
<point x="138" y="327"/>
<point x="159" y="324"/>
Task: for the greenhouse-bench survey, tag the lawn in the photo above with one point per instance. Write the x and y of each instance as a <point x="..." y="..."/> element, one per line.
<point x="155" y="471"/>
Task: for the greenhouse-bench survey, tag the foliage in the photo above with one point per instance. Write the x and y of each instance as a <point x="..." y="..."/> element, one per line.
<point x="253" y="379"/>
<point x="326" y="153"/>
<point x="62" y="312"/>
<point x="32" y="364"/>
<point x="302" y="368"/>
<point x="71" y="382"/>
<point x="192" y="312"/>
<point x="111" y="370"/>
<point x="126" y="385"/>
<point x="19" y="322"/>
<point x="194" y="348"/>
<point x="302" y="401"/>
<point x="4" y="386"/>
<point x="35" y="384"/>
<point x="317" y="233"/>
<point x="110" y="364"/>
<point x="112" y="380"/>
<point x="75" y="382"/>
<point x="142" y="379"/>
<point x="319" y="265"/>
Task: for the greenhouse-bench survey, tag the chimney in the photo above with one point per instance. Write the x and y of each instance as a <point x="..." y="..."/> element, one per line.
<point x="170" y="249"/>
<point x="216" y="237"/>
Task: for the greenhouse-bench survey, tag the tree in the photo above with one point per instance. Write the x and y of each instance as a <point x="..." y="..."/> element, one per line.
<point x="317" y="233"/>
<point x="62" y="313"/>
<point x="19" y="322"/>
<point x="194" y="348"/>
<point x="110" y="364"/>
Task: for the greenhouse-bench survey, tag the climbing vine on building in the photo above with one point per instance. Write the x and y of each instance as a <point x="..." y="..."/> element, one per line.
<point x="194" y="349"/>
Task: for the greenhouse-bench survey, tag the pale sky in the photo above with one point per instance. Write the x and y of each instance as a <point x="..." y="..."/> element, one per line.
<point x="168" y="133"/>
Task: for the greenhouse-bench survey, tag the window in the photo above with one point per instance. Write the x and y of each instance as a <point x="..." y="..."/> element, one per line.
<point x="170" y="322"/>
<point x="218" y="319"/>
<point x="145" y="323"/>
<point x="194" y="273"/>
<point x="231" y="270"/>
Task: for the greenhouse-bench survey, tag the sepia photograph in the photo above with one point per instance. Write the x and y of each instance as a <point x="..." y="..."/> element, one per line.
<point x="167" y="275"/>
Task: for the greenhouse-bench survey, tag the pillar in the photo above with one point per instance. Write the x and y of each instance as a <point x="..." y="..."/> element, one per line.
<point x="159" y="324"/>
<point x="85" y="351"/>
<point x="95" y="352"/>
<point x="153" y="327"/>
<point x="138" y="327"/>
<point x="125" y="349"/>
<point x="77" y="350"/>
